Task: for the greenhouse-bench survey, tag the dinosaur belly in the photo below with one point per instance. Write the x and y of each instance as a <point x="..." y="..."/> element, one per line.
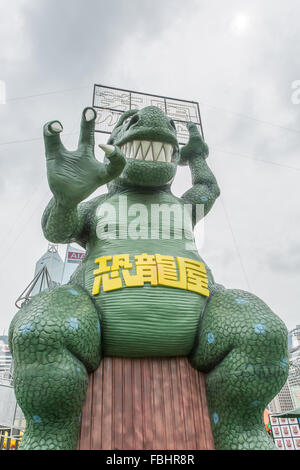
<point x="145" y="318"/>
<point x="149" y="321"/>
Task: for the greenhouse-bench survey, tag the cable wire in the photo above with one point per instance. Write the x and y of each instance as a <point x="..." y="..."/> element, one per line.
<point x="203" y="103"/>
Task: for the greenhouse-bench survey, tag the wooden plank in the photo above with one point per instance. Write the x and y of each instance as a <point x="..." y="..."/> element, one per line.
<point x="117" y="430"/>
<point x="197" y="409"/>
<point x="209" y="440"/>
<point x="97" y="403"/>
<point x="186" y="406"/>
<point x="86" y="418"/>
<point x="107" y="412"/>
<point x="137" y="404"/>
<point x="179" y="437"/>
<point x="159" y="413"/>
<point x="128" y="429"/>
<point x="168" y="404"/>
<point x="147" y="403"/>
<point x="154" y="404"/>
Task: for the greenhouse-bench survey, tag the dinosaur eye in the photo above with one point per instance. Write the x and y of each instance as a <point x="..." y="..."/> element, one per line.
<point x="133" y="121"/>
<point x="126" y="121"/>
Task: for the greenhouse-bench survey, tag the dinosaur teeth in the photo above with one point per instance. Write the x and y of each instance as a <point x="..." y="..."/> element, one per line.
<point x="168" y="152"/>
<point x="157" y="147"/>
<point x="134" y="149"/>
<point x="139" y="155"/>
<point x="148" y="150"/>
<point x="128" y="149"/>
<point x="146" y="147"/>
<point x="149" y="155"/>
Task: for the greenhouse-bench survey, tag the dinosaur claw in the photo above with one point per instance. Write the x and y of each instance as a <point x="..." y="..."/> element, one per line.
<point x="108" y="149"/>
<point x="56" y="127"/>
<point x="90" y="114"/>
<point x="52" y="128"/>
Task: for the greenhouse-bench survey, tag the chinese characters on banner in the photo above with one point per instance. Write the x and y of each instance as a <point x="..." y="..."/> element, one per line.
<point x="115" y="272"/>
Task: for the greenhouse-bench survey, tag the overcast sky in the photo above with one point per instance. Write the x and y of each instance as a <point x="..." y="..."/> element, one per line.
<point x="238" y="59"/>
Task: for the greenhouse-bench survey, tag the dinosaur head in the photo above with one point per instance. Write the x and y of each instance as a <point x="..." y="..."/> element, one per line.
<point x="147" y="138"/>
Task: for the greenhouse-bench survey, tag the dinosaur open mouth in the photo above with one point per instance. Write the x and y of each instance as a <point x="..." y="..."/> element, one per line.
<point x="149" y="151"/>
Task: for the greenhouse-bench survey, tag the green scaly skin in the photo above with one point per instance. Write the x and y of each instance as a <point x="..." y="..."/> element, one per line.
<point x="55" y="339"/>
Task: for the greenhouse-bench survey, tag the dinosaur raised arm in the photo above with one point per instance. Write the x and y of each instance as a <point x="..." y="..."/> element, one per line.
<point x="73" y="176"/>
<point x="205" y="189"/>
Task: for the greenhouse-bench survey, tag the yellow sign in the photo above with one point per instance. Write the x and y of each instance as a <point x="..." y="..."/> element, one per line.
<point x="114" y="272"/>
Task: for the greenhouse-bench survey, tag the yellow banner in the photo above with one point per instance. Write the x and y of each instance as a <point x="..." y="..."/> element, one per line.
<point x="115" y="272"/>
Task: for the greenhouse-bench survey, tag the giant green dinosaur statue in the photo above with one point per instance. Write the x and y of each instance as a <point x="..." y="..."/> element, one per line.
<point x="142" y="290"/>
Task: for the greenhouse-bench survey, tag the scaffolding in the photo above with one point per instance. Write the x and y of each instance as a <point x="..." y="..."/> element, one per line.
<point x="41" y="281"/>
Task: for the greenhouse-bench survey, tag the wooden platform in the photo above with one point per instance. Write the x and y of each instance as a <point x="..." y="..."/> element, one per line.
<point x="138" y="404"/>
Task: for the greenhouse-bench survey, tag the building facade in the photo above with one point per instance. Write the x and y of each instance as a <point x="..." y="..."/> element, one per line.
<point x="289" y="396"/>
<point x="50" y="271"/>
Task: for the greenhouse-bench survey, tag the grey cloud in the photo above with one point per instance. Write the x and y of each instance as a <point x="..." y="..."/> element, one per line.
<point x="69" y="44"/>
<point x="72" y="42"/>
<point x="285" y="261"/>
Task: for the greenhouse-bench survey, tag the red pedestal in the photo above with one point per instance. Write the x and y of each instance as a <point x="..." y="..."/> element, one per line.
<point x="139" y="404"/>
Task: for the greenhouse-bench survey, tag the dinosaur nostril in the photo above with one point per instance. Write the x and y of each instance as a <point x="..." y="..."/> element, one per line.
<point x="133" y="121"/>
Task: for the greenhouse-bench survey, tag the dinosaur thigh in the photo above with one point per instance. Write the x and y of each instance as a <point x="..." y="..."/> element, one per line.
<point x="55" y="341"/>
<point x="60" y="318"/>
<point x="239" y="324"/>
<point x="242" y="345"/>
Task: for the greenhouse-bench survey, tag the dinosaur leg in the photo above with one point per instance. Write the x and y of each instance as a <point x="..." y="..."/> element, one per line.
<point x="55" y="341"/>
<point x="242" y="345"/>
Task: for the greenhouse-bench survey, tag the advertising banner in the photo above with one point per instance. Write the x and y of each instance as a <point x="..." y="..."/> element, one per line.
<point x="276" y="431"/>
<point x="274" y="421"/>
<point x="75" y="256"/>
<point x="283" y="421"/>
<point x="293" y="421"/>
<point x="297" y="444"/>
<point x="289" y="445"/>
<point x="279" y="444"/>
<point x="295" y="431"/>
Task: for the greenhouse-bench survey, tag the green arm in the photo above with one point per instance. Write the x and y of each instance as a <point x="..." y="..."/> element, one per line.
<point x="205" y="189"/>
<point x="73" y="176"/>
<point x="61" y="224"/>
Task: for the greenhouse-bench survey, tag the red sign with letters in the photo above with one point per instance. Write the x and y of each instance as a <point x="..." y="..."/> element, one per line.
<point x="75" y="257"/>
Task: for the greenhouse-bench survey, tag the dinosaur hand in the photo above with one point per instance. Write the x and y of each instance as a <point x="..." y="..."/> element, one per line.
<point x="74" y="175"/>
<point x="195" y="148"/>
